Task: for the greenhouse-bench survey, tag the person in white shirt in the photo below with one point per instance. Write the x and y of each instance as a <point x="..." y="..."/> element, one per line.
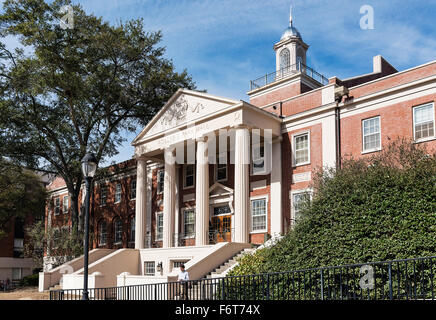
<point x="183" y="279"/>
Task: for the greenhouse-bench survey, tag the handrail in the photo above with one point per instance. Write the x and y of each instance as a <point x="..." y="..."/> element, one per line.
<point x="413" y="278"/>
<point x="285" y="73"/>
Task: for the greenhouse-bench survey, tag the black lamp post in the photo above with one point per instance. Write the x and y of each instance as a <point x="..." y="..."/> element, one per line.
<point x="89" y="166"/>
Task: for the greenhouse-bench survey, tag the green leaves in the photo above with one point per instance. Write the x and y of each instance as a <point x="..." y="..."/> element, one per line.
<point x="21" y="194"/>
<point x="75" y="90"/>
<point x="373" y="209"/>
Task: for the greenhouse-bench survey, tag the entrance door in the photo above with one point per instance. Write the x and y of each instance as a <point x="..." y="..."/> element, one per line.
<point x="221" y="227"/>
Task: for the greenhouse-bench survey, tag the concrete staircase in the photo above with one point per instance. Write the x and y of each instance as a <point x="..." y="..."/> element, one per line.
<point x="222" y="270"/>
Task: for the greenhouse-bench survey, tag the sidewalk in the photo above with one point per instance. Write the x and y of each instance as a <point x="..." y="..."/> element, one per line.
<point x="28" y="293"/>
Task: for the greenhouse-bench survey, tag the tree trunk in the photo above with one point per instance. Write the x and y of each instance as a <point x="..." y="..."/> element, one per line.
<point x="74" y="211"/>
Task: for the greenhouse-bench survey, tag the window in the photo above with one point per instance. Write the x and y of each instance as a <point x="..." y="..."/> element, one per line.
<point x="160" y="181"/>
<point x="298" y="199"/>
<point x="65" y="205"/>
<point x="371" y="134"/>
<point x="221" y="210"/>
<point x="132" y="229"/>
<point x="258" y="215"/>
<point x="133" y="189"/>
<point x="284" y="59"/>
<point x="159" y="226"/>
<point x="102" y="233"/>
<point x="221" y="171"/>
<point x="149" y="268"/>
<point x="17" y="273"/>
<point x="18" y="248"/>
<point x="57" y="206"/>
<point x="117" y="193"/>
<point x="177" y="264"/>
<point x="118" y="230"/>
<point x="423" y="121"/>
<point x="189" y="176"/>
<point x="258" y="166"/>
<point x="301" y="149"/>
<point x="189" y="222"/>
<point x="56" y="237"/>
<point x="103" y="195"/>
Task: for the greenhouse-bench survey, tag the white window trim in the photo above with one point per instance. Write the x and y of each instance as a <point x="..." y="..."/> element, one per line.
<point x="216" y="172"/>
<point x="185" y="166"/>
<point x="380" y="134"/>
<point x="183" y="223"/>
<point x="115" y="231"/>
<point x="294" y="164"/>
<point x="154" y="268"/>
<point x="55" y="206"/>
<point x="291" y="199"/>
<point x="131" y="183"/>
<point x="266" y="197"/>
<point x="99" y="234"/>
<point x="121" y="192"/>
<point x="105" y="198"/>
<point x="65" y="211"/>
<point x="157" y="185"/>
<point x="434" y="124"/>
<point x="156" y="228"/>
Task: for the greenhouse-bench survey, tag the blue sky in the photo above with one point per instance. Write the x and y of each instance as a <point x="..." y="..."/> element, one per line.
<point x="225" y="43"/>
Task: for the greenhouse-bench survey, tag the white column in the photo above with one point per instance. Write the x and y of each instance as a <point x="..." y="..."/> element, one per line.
<point x="276" y="189"/>
<point x="169" y="199"/>
<point x="141" y="203"/>
<point x="202" y="195"/>
<point x="242" y="184"/>
<point x="177" y="208"/>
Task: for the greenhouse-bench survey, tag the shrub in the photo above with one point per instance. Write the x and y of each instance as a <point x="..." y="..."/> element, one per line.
<point x="378" y="208"/>
<point x="30" y="281"/>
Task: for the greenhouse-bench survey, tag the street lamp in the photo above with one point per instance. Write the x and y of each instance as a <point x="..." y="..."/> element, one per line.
<point x="89" y="166"/>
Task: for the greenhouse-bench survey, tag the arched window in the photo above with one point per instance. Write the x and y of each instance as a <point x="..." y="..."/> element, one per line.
<point x="118" y="230"/>
<point x="102" y="233"/>
<point x="284" y="59"/>
<point x="132" y="229"/>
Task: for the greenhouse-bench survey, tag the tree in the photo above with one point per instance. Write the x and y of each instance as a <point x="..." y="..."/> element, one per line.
<point x="373" y="209"/>
<point x="76" y="90"/>
<point x="60" y="244"/>
<point x="21" y="194"/>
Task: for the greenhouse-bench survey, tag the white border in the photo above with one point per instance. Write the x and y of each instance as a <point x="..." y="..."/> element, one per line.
<point x="362" y="135"/>
<point x="293" y="148"/>
<point x="266" y="197"/>
<point x="413" y="122"/>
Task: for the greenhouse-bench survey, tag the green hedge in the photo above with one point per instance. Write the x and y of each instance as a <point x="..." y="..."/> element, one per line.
<point x="379" y="208"/>
<point x="30" y="281"/>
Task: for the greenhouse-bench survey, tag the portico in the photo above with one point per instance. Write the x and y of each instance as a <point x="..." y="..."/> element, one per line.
<point x="199" y="129"/>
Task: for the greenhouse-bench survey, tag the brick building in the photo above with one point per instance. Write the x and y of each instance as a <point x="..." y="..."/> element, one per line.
<point x="212" y="171"/>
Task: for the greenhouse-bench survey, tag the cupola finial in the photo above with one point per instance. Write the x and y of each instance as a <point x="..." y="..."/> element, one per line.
<point x="290" y="16"/>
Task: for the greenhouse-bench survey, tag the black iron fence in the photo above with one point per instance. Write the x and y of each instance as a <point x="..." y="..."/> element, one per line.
<point x="286" y="72"/>
<point x="407" y="279"/>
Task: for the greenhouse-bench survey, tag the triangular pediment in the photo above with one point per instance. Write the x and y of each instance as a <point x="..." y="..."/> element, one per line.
<point x="219" y="189"/>
<point x="184" y="107"/>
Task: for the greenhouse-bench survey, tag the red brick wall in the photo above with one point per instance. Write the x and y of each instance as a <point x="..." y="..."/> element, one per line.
<point x="395" y="80"/>
<point x="288" y="169"/>
<point x="283" y="93"/>
<point x="396" y="121"/>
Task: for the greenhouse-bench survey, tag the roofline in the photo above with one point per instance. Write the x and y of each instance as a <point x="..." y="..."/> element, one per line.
<point x="394" y="74"/>
<point x="172" y="99"/>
